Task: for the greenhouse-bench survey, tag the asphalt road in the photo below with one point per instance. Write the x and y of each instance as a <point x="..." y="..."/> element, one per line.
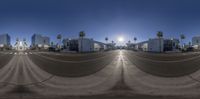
<point x="5" y="58"/>
<point x="81" y="65"/>
<point x="166" y="65"/>
<point x="111" y="75"/>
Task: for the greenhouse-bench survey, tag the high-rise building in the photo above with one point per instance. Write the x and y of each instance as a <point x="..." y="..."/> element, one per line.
<point x="5" y="41"/>
<point x="40" y="41"/>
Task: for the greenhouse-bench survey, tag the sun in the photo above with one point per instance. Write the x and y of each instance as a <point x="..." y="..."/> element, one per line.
<point x="120" y="39"/>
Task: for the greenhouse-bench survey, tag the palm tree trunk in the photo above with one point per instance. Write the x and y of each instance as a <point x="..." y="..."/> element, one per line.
<point x="60" y="44"/>
<point x="181" y="44"/>
<point x="81" y="44"/>
<point x="160" y="44"/>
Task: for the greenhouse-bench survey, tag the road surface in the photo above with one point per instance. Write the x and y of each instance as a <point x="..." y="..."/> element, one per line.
<point x="117" y="74"/>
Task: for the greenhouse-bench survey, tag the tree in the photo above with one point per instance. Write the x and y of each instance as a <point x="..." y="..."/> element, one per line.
<point x="182" y="36"/>
<point x="129" y="41"/>
<point x="106" y="39"/>
<point x="135" y="39"/>
<point x="59" y="37"/>
<point x="51" y="44"/>
<point x="160" y="35"/>
<point x="190" y="44"/>
<point x="81" y="35"/>
<point x="113" y="42"/>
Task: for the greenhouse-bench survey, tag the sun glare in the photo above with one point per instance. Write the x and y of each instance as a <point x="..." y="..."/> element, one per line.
<point x="120" y="39"/>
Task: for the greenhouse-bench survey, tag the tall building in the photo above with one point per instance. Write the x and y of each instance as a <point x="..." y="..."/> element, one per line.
<point x="39" y="41"/>
<point x="5" y="41"/>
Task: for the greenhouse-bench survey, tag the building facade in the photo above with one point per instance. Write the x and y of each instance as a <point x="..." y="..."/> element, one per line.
<point x="156" y="45"/>
<point x="5" y="41"/>
<point x="21" y="45"/>
<point x="171" y="44"/>
<point x="99" y="46"/>
<point x="142" y="46"/>
<point x="196" y="42"/>
<point x="84" y="45"/>
<point x="78" y="44"/>
<point x="39" y="41"/>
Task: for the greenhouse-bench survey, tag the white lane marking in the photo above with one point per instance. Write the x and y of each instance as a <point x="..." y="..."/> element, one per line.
<point x="15" y="53"/>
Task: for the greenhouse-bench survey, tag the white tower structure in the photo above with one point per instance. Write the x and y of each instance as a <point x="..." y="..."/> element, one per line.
<point x="21" y="45"/>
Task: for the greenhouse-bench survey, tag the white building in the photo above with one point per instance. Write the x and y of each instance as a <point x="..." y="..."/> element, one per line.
<point x="156" y="45"/>
<point x="83" y="45"/>
<point x="78" y="44"/>
<point x="142" y="46"/>
<point x="196" y="42"/>
<point x="21" y="45"/>
<point x="99" y="46"/>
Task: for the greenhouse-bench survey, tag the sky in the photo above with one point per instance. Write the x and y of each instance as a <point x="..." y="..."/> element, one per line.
<point x="100" y="18"/>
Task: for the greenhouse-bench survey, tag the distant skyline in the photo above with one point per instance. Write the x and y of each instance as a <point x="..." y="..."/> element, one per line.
<point x="100" y="18"/>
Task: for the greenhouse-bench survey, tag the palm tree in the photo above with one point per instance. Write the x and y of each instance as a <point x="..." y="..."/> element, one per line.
<point x="190" y="44"/>
<point x="135" y="39"/>
<point x="106" y="39"/>
<point x="51" y="44"/>
<point x="160" y="35"/>
<point x="59" y="37"/>
<point x="182" y="36"/>
<point x="81" y="35"/>
<point x="113" y="42"/>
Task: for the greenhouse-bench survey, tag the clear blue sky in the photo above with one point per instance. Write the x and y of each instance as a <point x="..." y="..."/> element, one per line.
<point x="100" y="18"/>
